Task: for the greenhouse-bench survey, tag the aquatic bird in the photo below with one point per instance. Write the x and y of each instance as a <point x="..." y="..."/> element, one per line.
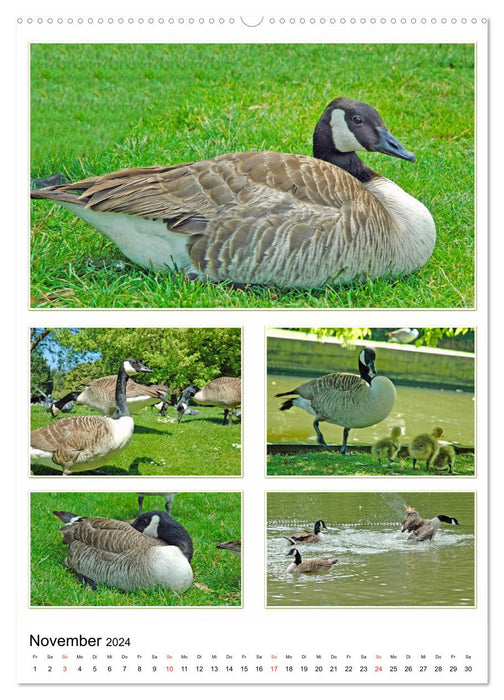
<point x="308" y="566"/>
<point x="422" y="528"/>
<point x="306" y="537"/>
<point x="234" y="546"/>
<point x="99" y="395"/>
<point x="79" y="443"/>
<point x="403" y="335"/>
<point x="224" y="392"/>
<point x="425" y="447"/>
<point x="349" y="400"/>
<point x="387" y="448"/>
<point x="154" y="550"/>
<point x="263" y="217"/>
<point x="445" y="457"/>
<point x="168" y="496"/>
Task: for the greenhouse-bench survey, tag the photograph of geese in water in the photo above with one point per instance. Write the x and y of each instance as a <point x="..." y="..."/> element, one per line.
<point x="105" y="549"/>
<point x="371" y="402"/>
<point x="249" y="175"/>
<point x="136" y="401"/>
<point x="376" y="550"/>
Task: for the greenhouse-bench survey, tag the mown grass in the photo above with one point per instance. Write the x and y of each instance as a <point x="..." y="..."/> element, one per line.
<point x="197" y="446"/>
<point x="208" y="517"/>
<point x="98" y="108"/>
<point x="359" y="464"/>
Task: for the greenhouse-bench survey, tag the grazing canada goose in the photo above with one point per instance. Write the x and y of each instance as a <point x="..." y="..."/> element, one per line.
<point x="154" y="550"/>
<point x="425" y="447"/>
<point x="231" y="546"/>
<point x="346" y="399"/>
<point x="387" y="448"/>
<point x="99" y="394"/>
<point x="309" y="566"/>
<point x="305" y="536"/>
<point x="422" y="528"/>
<point x="169" y="497"/>
<point x="445" y="457"/>
<point x="80" y="443"/>
<point x="224" y="392"/>
<point x="264" y="217"/>
<point x="403" y="335"/>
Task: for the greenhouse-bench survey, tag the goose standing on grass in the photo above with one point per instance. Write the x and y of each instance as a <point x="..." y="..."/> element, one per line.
<point x="154" y="550"/>
<point x="423" y="528"/>
<point x="168" y="496"/>
<point x="264" y="217"/>
<point x="224" y="392"/>
<point x="425" y="447"/>
<point x="387" y="448"/>
<point x="308" y="566"/>
<point x="307" y="537"/>
<point x="349" y="400"/>
<point x="79" y="443"/>
<point x="99" y="394"/>
<point x="445" y="457"/>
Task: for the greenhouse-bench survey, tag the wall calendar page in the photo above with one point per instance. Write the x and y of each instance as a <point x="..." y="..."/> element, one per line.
<point x="252" y="265"/>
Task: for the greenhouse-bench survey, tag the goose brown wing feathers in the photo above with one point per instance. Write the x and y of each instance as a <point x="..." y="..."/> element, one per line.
<point x="68" y="437"/>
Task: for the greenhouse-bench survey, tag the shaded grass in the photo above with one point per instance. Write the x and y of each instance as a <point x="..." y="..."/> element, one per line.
<point x="197" y="446"/>
<point x="208" y="517"/>
<point x="146" y="104"/>
<point x="359" y="464"/>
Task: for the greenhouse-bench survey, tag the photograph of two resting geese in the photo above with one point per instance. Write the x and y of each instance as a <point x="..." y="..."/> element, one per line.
<point x="266" y="218"/>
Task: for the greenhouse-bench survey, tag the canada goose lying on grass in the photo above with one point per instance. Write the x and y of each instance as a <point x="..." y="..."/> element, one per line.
<point x="154" y="550"/>
<point x="224" y="392"/>
<point x="309" y="566"/>
<point x="403" y="335"/>
<point x="387" y="448"/>
<point x="99" y="394"/>
<point x="169" y="497"/>
<point x="445" y="457"/>
<point x="349" y="400"/>
<point x="79" y="443"/>
<point x="264" y="217"/>
<point x="305" y="536"/>
<point x="423" y="528"/>
<point x="425" y="447"/>
<point x="231" y="546"/>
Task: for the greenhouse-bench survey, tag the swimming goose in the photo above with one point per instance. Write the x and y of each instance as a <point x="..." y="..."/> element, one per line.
<point x="154" y="550"/>
<point x="425" y="447"/>
<point x="306" y="537"/>
<point x="224" y="392"/>
<point x="309" y="566"/>
<point x="445" y="457"/>
<point x="168" y="496"/>
<point x="349" y="400"/>
<point x="266" y="218"/>
<point x="422" y="528"/>
<point x="99" y="394"/>
<point x="79" y="443"/>
<point x="234" y="546"/>
<point x="387" y="448"/>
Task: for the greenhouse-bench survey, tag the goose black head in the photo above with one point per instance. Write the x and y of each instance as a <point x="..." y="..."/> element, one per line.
<point x="319" y="525"/>
<point x="132" y="366"/>
<point x="367" y="366"/>
<point x="160" y="525"/>
<point x="183" y="402"/>
<point x="349" y="125"/>
<point x="448" y="519"/>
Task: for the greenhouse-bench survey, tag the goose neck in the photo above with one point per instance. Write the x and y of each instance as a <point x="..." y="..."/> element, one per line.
<point x="121" y="406"/>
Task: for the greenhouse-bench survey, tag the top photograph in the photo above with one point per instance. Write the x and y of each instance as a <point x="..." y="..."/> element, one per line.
<point x="319" y="176"/>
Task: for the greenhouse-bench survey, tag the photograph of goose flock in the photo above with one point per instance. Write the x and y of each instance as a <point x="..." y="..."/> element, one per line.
<point x="382" y="549"/>
<point x="228" y="175"/>
<point x="96" y="408"/>
<point x="371" y="402"/>
<point x="108" y="549"/>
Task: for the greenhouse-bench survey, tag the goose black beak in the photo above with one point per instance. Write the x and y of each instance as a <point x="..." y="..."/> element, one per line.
<point x="390" y="145"/>
<point x="144" y="368"/>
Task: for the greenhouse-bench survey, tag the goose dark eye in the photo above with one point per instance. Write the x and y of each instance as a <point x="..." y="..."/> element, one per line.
<point x="357" y="119"/>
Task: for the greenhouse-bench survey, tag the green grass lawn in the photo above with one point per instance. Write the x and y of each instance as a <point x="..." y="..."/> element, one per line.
<point x="208" y="517"/>
<point x="98" y="108"/>
<point x="197" y="446"/>
<point x="358" y="463"/>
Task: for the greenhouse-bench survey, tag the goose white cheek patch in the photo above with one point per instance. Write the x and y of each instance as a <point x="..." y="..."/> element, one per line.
<point x="343" y="138"/>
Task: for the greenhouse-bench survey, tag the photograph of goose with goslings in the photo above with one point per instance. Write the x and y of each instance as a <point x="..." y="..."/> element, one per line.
<point x="131" y="549"/>
<point x="277" y="175"/>
<point x="136" y="401"/>
<point x="371" y="402"/>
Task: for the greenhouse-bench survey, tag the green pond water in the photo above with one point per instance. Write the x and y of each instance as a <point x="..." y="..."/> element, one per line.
<point x="377" y="564"/>
<point x="417" y="410"/>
